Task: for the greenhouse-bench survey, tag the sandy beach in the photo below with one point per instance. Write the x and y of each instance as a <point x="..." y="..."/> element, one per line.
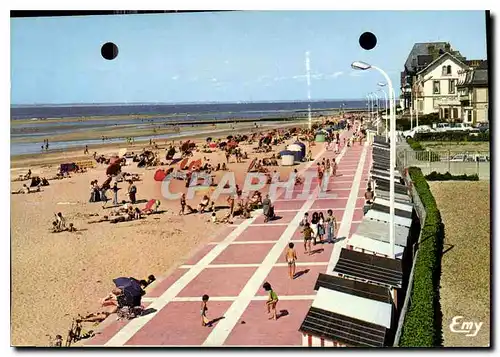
<point x="56" y="276"/>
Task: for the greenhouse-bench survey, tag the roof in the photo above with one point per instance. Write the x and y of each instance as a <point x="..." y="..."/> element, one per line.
<point x="378" y="174"/>
<point x="442" y="58"/>
<point x="402" y="206"/>
<point x="356" y="307"/>
<point x="380" y="215"/>
<point x="385" y="183"/>
<point x="380" y="231"/>
<point x="475" y="78"/>
<point x="398" y="212"/>
<point x="381" y="270"/>
<point x="354" y="287"/>
<point x="370" y="246"/>
<point x="421" y="50"/>
<point x="379" y="139"/>
<point x="384" y="193"/>
<point x="352" y="332"/>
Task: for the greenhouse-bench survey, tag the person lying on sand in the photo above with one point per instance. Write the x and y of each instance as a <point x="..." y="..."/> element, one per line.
<point x="25" y="189"/>
<point x="103" y="219"/>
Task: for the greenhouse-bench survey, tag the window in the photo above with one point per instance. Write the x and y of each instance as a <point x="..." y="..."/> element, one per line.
<point x="443" y="71"/>
<point x="436" y="87"/>
<point x="448" y="70"/>
<point x="446" y="113"/>
<point x="451" y="86"/>
<point x="455" y="113"/>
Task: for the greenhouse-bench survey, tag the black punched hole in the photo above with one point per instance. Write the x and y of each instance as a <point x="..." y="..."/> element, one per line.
<point x="109" y="51"/>
<point x="367" y="41"/>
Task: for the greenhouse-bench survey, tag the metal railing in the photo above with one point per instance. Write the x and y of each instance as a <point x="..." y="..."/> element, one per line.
<point x="456" y="162"/>
<point x="421" y="213"/>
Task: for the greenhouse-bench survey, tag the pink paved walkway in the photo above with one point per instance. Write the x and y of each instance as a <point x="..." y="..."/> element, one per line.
<point x="233" y="267"/>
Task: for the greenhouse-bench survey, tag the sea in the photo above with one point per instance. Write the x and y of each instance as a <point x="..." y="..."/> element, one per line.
<point x="184" y="112"/>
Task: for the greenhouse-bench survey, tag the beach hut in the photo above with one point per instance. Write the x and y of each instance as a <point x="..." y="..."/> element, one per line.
<point x="320" y="137"/>
<point x="302" y="146"/>
<point x="297" y="151"/>
<point x="375" y="270"/>
<point x="287" y="158"/>
<point x="363" y="321"/>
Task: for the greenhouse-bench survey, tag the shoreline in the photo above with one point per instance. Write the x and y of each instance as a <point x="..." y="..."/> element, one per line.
<point x="58" y="156"/>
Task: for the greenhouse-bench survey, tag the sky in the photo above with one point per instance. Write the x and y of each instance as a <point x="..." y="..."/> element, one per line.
<point x="224" y="56"/>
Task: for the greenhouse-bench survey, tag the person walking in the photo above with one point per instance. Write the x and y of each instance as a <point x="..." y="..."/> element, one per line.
<point x="115" y="189"/>
<point x="331" y="226"/>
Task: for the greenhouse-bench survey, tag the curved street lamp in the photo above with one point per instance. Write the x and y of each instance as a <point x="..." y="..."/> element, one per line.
<point x="377" y="112"/>
<point x="365" y="66"/>
<point x="386" y="115"/>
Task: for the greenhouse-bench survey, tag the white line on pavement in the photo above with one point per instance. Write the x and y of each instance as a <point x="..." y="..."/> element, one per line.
<point x="220" y="333"/>
<point x="135" y="325"/>
<point x="224" y="266"/>
<point x="345" y="225"/>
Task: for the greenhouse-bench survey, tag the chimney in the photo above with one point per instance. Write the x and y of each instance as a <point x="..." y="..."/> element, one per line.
<point x="447" y="47"/>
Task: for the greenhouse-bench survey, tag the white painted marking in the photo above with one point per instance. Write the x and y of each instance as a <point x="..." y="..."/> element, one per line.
<point x="135" y="325"/>
<point x="345" y="225"/>
<point x="220" y="333"/>
<point x="234" y="298"/>
<point x="225" y="266"/>
<point x="148" y="299"/>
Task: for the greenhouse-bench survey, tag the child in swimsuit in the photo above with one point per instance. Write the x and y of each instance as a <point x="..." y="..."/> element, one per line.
<point x="271" y="302"/>
<point x="290" y="258"/>
<point x="308" y="232"/>
<point x="204" y="319"/>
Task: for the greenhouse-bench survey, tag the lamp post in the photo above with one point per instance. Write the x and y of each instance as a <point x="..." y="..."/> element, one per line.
<point x="365" y="66"/>
<point x="392" y="101"/>
<point x="370" y="105"/>
<point x="386" y="115"/>
<point x="422" y="80"/>
<point x="377" y="112"/>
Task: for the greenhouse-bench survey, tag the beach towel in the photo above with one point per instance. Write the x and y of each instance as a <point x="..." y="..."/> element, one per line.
<point x="160" y="175"/>
<point x="149" y="205"/>
<point x="191" y="165"/>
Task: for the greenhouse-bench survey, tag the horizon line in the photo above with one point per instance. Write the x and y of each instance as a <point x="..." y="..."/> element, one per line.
<point x="190" y="103"/>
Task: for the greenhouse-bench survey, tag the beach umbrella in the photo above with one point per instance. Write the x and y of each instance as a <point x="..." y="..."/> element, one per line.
<point x="114" y="159"/>
<point x="252" y="164"/>
<point x="113" y="169"/>
<point x="131" y="289"/>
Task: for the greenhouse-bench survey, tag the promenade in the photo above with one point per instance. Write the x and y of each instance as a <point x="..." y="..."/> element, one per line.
<point x="233" y="266"/>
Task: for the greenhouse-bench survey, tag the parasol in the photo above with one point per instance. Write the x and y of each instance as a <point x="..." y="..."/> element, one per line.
<point x="252" y="164"/>
<point x="132" y="290"/>
<point x="113" y="169"/>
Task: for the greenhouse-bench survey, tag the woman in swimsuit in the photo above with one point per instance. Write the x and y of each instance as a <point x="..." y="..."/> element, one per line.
<point x="291" y="257"/>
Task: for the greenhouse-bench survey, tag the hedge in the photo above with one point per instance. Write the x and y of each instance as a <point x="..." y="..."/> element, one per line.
<point x="434" y="176"/>
<point x="416" y="146"/>
<point x="452" y="136"/>
<point x="422" y="326"/>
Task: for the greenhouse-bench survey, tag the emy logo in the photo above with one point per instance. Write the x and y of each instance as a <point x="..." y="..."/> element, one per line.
<point x="469" y="328"/>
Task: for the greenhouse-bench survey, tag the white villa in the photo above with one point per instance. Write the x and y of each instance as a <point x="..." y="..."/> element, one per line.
<point x="436" y="90"/>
